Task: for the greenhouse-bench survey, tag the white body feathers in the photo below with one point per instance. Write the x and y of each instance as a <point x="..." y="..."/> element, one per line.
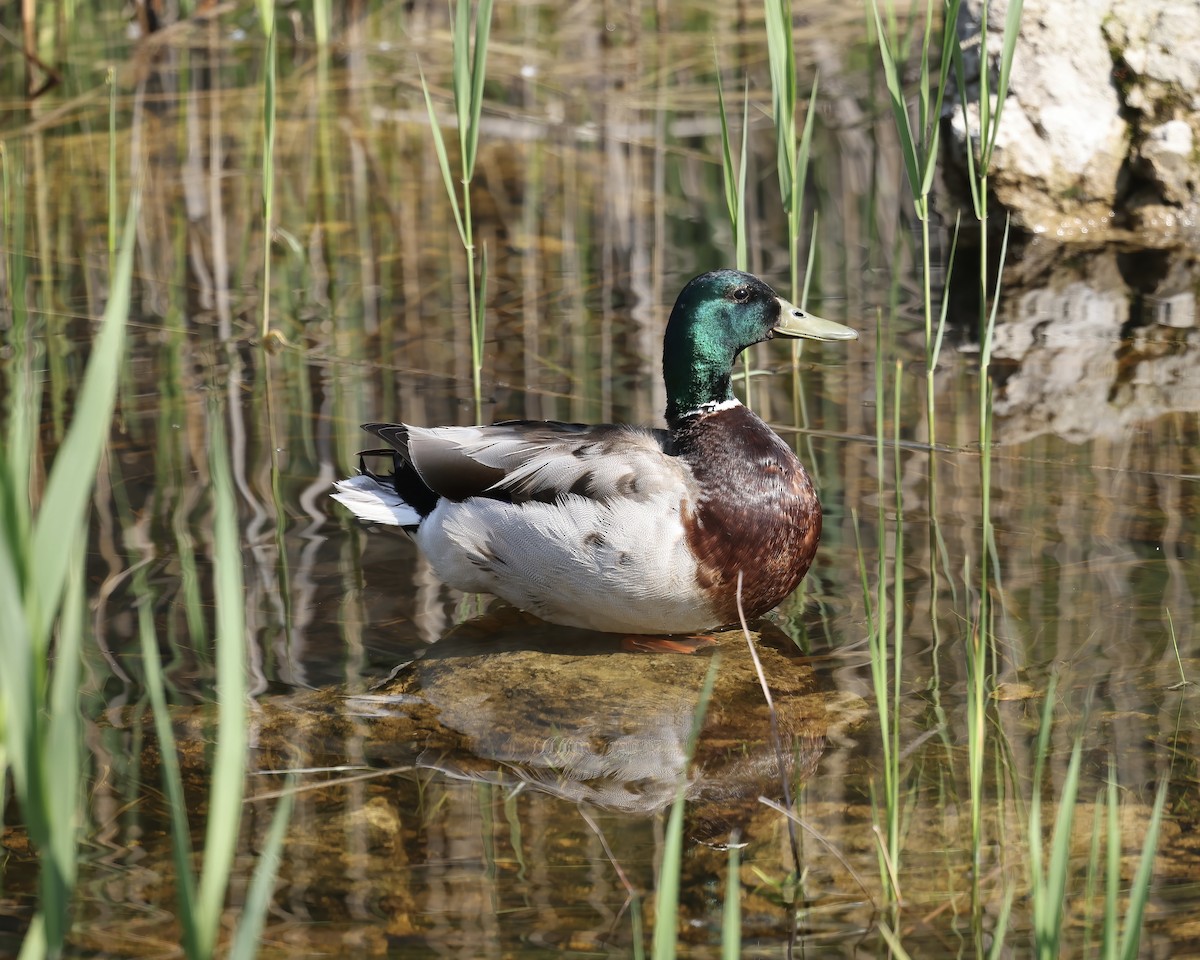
<point x="593" y="536"/>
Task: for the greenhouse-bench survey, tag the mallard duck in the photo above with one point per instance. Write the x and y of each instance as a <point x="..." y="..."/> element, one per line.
<point x="618" y="528"/>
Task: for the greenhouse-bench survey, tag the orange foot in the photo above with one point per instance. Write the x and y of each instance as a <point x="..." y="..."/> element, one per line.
<point x="636" y="643"/>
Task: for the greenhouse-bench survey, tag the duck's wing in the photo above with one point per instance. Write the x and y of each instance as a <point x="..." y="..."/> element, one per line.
<point x="522" y="460"/>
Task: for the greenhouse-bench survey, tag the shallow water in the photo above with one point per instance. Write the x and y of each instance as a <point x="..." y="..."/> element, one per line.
<point x="475" y="784"/>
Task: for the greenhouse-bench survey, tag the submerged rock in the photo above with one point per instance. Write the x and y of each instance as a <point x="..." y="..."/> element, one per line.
<point x="506" y="698"/>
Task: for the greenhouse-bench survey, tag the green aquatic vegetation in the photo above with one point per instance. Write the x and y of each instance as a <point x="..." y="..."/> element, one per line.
<point x="731" y="914"/>
<point x="791" y="153"/>
<point x="470" y="68"/>
<point x="1050" y="874"/>
<point x="666" y="901"/>
<point x="201" y="898"/>
<point x="733" y="170"/>
<point x="886" y="626"/>
<point x="919" y="146"/>
<point x="42" y="589"/>
<point x="268" y="170"/>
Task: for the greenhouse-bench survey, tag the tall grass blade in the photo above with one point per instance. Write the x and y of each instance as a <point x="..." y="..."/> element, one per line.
<point x="734" y="175"/>
<point x="899" y="107"/>
<point x="181" y="843"/>
<point x="111" y="79"/>
<point x="268" y="179"/>
<point x="936" y="352"/>
<point x="478" y="329"/>
<point x="802" y="154"/>
<point x="666" y="902"/>
<point x="70" y="484"/>
<point x="1012" y="29"/>
<point x="731" y="915"/>
<point x="63" y="743"/>
<point x="1139" y="893"/>
<point x="893" y="942"/>
<point x="985" y="348"/>
<point x="439" y="146"/>
<point x="266" y="14"/>
<point x="41" y="581"/>
<point x="460" y="42"/>
<point x="483" y="27"/>
<point x="1000" y="927"/>
<point x="782" y="57"/>
<point x="322" y="18"/>
<point x="229" y="759"/>
<point x="1110" y="932"/>
<point x="258" y="897"/>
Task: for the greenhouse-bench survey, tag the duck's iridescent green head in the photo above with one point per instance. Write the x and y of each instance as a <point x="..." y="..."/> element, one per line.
<point x="716" y="317"/>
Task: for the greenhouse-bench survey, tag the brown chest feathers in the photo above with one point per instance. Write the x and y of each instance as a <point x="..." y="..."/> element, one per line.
<point x="758" y="512"/>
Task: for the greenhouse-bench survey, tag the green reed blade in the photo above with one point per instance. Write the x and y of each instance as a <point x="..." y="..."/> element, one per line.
<point x="469" y="72"/>
<point x="731" y="914"/>
<point x="782" y="59"/>
<point x="110" y="78"/>
<point x="181" y="842"/>
<point x="322" y="19"/>
<point x="923" y="72"/>
<point x="20" y="687"/>
<point x="439" y="146"/>
<point x="1012" y="29"/>
<point x="1110" y="932"/>
<point x="41" y="719"/>
<point x="868" y="606"/>
<point x="936" y="353"/>
<point x="35" y="946"/>
<point x="960" y="77"/>
<point x="483" y="27"/>
<point x="1139" y="893"/>
<point x="229" y="759"/>
<point x="893" y="942"/>
<point x="1000" y="927"/>
<point x="945" y="65"/>
<point x="70" y="483"/>
<point x="666" y="902"/>
<point x="258" y="898"/>
<point x="268" y="179"/>
<point x="899" y="107"/>
<point x="23" y="400"/>
<point x="741" y="254"/>
<point x="812" y="258"/>
<point x="1060" y="850"/>
<point x="266" y="14"/>
<point x="637" y="927"/>
<point x="728" y="168"/>
<point x="62" y="747"/>
<point x="802" y="154"/>
<point x="478" y="329"/>
<point x="460" y="45"/>
<point x="734" y="177"/>
<point x="985" y="351"/>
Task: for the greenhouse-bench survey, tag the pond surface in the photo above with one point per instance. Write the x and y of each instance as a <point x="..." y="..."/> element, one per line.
<point x="474" y="783"/>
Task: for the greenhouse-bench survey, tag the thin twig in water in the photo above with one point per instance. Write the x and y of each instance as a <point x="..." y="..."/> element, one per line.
<point x="776" y="740"/>
<point x="320" y="784"/>
<point x="828" y="844"/>
<point x="631" y="895"/>
<point x="587" y="818"/>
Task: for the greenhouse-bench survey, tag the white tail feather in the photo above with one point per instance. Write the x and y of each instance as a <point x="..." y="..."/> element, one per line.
<point x="375" y="502"/>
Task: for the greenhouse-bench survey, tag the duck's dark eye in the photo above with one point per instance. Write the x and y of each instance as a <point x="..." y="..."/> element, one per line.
<point x="741" y="294"/>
